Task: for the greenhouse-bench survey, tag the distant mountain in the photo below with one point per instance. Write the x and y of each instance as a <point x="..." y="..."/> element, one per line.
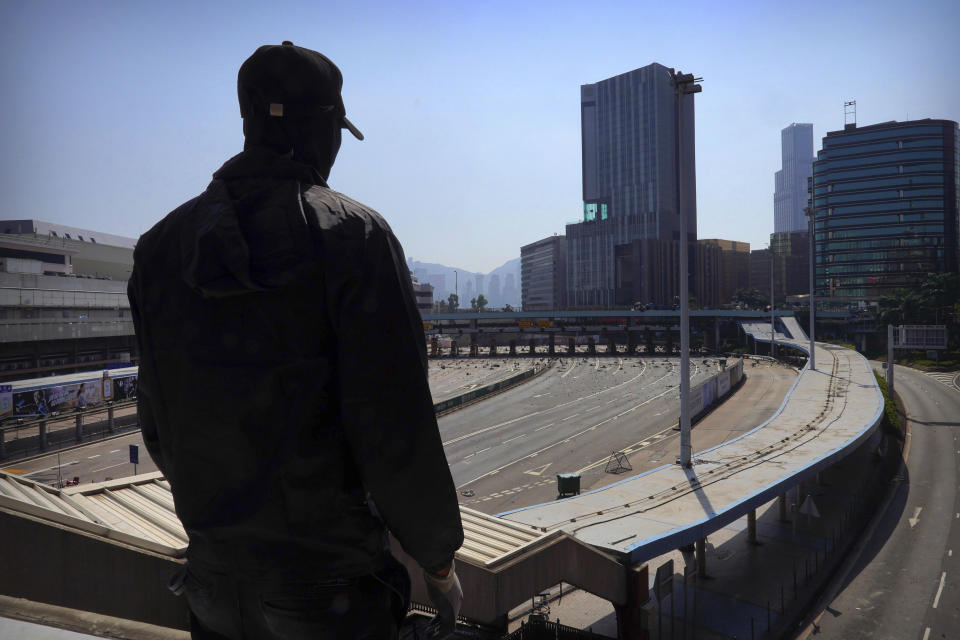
<point x="501" y="286"/>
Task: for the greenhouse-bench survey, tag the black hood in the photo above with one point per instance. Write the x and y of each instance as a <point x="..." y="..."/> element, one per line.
<point x="247" y="232"/>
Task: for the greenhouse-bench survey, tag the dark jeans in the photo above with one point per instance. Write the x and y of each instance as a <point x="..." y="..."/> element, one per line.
<point x="226" y="606"/>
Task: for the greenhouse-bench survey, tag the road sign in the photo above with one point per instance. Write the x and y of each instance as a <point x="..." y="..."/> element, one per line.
<point x="134" y="454"/>
<point x="920" y="336"/>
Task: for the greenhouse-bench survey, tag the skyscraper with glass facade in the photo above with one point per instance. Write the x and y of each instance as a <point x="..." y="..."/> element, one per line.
<point x="790" y="182"/>
<point x="629" y="147"/>
<point x="886" y="200"/>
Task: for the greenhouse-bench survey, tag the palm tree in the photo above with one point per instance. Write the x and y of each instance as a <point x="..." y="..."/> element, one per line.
<point x="900" y="307"/>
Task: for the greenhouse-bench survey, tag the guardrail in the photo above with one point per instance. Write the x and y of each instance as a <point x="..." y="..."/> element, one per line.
<point x="453" y="404"/>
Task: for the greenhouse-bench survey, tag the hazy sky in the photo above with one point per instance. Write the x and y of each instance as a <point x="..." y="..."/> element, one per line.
<point x="116" y="112"/>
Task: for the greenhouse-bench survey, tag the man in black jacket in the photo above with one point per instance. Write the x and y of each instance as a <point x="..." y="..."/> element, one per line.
<point x="283" y="383"/>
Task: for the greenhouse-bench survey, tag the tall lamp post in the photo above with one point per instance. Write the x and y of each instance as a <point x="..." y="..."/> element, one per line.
<point x="684" y="84"/>
<point x="811" y="214"/>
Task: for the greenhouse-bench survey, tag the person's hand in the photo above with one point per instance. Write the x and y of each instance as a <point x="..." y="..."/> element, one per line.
<point x="447" y="596"/>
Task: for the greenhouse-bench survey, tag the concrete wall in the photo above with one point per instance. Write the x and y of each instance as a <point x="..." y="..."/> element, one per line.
<point x="51" y="563"/>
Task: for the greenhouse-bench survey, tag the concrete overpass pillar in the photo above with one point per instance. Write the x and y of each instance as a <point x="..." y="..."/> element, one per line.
<point x="513" y="347"/>
<point x="474" y="350"/>
<point x="110" y="419"/>
<point x="591" y="346"/>
<point x="79" y="427"/>
<point x="631" y="616"/>
<point x="702" y="557"/>
<point x="782" y="501"/>
<point x="533" y="346"/>
<point x="550" y="346"/>
<point x="752" y="527"/>
<point x="434" y="346"/>
<point x="493" y="347"/>
<point x="571" y="345"/>
<point x="43" y="435"/>
<point x="716" y="335"/>
<point x="3" y="444"/>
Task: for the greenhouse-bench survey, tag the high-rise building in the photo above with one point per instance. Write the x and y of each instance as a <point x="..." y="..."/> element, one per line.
<point x="790" y="182"/>
<point x="629" y="146"/>
<point x="543" y="274"/>
<point x="733" y="271"/>
<point x="760" y="271"/>
<point x="885" y="202"/>
<point x="791" y="263"/>
<point x="493" y="291"/>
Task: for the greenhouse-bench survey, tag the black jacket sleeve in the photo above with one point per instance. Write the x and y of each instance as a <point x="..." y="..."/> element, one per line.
<point x="147" y="390"/>
<point x="386" y="406"/>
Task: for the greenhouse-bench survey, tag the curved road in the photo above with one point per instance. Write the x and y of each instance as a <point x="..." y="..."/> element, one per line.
<point x="906" y="584"/>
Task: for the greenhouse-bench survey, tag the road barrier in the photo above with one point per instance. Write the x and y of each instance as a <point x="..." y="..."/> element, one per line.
<point x="453" y="404"/>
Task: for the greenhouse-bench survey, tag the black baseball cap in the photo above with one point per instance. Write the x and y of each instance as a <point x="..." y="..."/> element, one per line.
<point x="287" y="81"/>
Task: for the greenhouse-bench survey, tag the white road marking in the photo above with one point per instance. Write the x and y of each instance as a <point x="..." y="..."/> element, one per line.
<point x="110" y="467"/>
<point x="92" y="457"/>
<point x="936" y="600"/>
<point x="569" y="417"/>
<point x="115" y="451"/>
<point x="564" y="375"/>
<point x="545" y="426"/>
<point x="926" y="632"/>
<point x="559" y="406"/>
<point x="598" y="406"/>
<point x="579" y="433"/>
<point x="916" y="517"/>
<point x="482" y="450"/>
<point x="950" y="553"/>
<point x="522" y="435"/>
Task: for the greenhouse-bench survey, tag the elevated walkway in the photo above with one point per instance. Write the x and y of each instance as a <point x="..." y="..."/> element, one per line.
<point x="826" y="414"/>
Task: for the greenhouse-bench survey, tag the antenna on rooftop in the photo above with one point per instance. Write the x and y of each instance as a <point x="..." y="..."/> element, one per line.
<point x="850" y="114"/>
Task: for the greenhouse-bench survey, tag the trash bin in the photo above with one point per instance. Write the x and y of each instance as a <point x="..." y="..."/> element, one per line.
<point x="568" y="484"/>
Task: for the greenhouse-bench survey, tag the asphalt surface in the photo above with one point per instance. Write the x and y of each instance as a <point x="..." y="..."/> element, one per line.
<point x="906" y="583"/>
<point x="506" y="452"/>
<point x="94" y="462"/>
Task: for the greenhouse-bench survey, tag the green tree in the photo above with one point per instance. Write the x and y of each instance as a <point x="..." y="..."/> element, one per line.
<point x="507" y="308"/>
<point x="453" y="302"/>
<point x="900" y="307"/>
<point x="473" y="304"/>
<point x="482" y="302"/>
<point x="940" y="293"/>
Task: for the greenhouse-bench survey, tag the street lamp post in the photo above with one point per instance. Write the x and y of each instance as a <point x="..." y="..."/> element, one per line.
<point x="811" y="227"/>
<point x="683" y="84"/>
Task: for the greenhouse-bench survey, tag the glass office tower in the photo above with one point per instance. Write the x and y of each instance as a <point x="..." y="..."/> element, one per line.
<point x="885" y="200"/>
<point x="790" y="183"/>
<point x="629" y="138"/>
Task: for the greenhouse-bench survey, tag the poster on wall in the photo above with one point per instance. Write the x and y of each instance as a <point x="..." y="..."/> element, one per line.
<point x="6" y="400"/>
<point x="125" y="388"/>
<point x="709" y="393"/>
<point x="40" y="402"/>
<point x="723" y="383"/>
<point x="696" y="401"/>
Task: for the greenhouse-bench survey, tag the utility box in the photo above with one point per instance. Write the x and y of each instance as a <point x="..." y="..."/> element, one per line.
<point x="568" y="484"/>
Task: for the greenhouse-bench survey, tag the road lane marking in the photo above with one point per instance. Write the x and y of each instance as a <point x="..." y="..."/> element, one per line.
<point x="482" y="450"/>
<point x="579" y="433"/>
<point x="936" y="600"/>
<point x="115" y="451"/>
<point x="559" y="406"/>
<point x="564" y="375"/>
<point x="110" y="467"/>
<point x="598" y="406"/>
<point x="926" y="634"/>
<point x="522" y="435"/>
<point x="545" y="426"/>
<point x="916" y="517"/>
<point x="950" y="553"/>
<point x="92" y="457"/>
<point x="569" y="417"/>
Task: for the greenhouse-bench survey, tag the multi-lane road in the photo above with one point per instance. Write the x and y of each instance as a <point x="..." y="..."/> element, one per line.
<point x="906" y="580"/>
<point x="506" y="452"/>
